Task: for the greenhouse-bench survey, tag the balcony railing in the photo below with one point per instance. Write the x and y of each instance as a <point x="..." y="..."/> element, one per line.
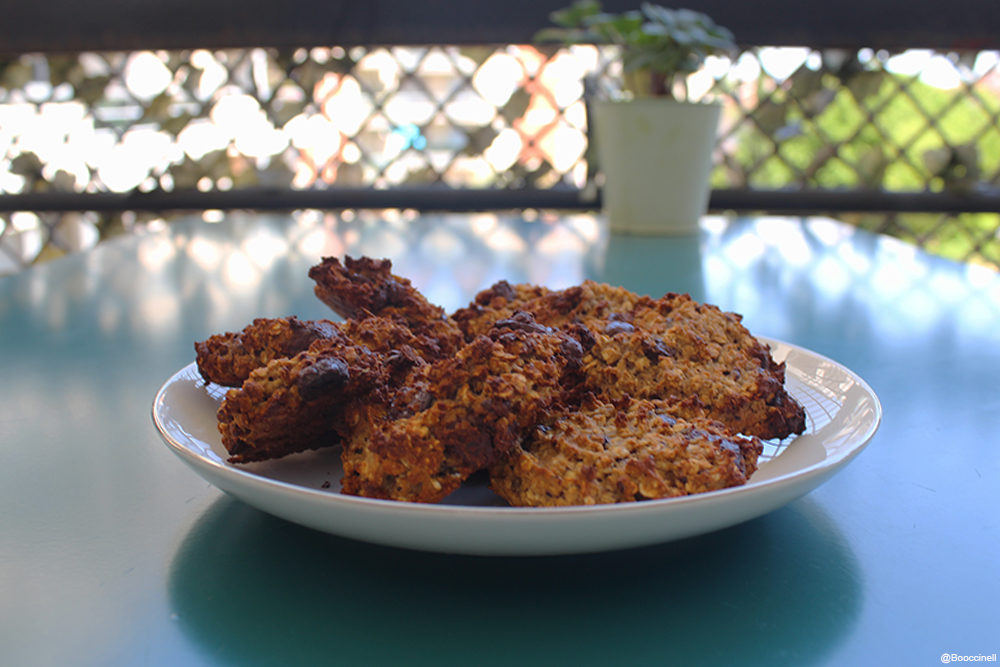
<point x="890" y="127"/>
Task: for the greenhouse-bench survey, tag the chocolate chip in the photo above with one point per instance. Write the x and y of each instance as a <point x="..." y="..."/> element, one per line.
<point x="402" y="359"/>
<point x="522" y="321"/>
<point x="617" y="326"/>
<point x="504" y="290"/>
<point x="568" y="299"/>
<point x="582" y="334"/>
<point x="422" y="400"/>
<point x="572" y="349"/>
<point x="321" y="377"/>
<point x="670" y="421"/>
<point x="304" y="333"/>
<point x="654" y="348"/>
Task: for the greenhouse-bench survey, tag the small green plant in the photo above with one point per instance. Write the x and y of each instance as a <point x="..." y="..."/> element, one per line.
<point x="659" y="46"/>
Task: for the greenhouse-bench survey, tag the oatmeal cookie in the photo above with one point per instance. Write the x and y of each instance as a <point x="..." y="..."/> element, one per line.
<point x="466" y="409"/>
<point x="361" y="287"/>
<point x="495" y="303"/>
<point x="699" y="357"/>
<point x="586" y="304"/>
<point x="227" y="359"/>
<point x="622" y="452"/>
<point x="298" y="403"/>
<point x="671" y="347"/>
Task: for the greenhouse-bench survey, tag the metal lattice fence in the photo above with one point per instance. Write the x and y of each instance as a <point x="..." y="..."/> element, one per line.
<point x="510" y="116"/>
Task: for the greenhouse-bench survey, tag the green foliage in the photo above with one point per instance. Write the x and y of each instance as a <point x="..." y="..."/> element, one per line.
<point x="903" y="135"/>
<point x="879" y="131"/>
<point x="659" y="46"/>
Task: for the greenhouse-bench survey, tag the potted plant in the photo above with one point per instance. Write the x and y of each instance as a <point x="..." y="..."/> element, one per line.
<point x="654" y="146"/>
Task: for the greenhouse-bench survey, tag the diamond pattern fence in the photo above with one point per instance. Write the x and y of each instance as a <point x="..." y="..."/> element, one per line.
<point x="509" y="116"/>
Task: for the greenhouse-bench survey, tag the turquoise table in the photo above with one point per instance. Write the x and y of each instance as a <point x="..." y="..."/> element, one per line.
<point x="112" y="552"/>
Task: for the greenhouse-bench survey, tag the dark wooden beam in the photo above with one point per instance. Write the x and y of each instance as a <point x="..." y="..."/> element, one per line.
<point x="101" y="25"/>
<point x="470" y="199"/>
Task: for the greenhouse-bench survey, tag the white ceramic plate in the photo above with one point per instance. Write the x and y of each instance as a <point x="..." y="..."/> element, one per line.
<point x="842" y="411"/>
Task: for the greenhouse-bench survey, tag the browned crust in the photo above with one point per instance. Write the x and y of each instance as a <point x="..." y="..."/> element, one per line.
<point x="586" y="304"/>
<point x="499" y="301"/>
<point x="695" y="354"/>
<point x="228" y="359"/>
<point x="624" y="452"/>
<point x="671" y="348"/>
<point x="357" y="288"/>
<point x="298" y="403"/>
<point x="478" y="403"/>
<point x="294" y="404"/>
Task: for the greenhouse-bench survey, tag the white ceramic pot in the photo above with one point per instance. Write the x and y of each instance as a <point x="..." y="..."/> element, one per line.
<point x="656" y="155"/>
